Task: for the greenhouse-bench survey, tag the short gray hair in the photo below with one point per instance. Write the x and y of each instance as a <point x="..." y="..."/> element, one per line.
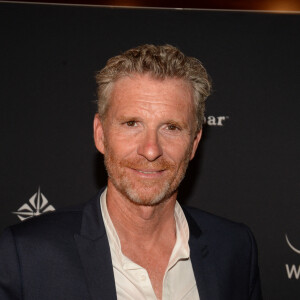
<point x="161" y="62"/>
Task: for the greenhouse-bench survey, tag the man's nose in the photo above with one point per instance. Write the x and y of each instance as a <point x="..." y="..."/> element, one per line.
<point x="149" y="145"/>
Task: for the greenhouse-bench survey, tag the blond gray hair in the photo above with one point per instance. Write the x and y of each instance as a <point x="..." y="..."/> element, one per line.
<point x="161" y="62"/>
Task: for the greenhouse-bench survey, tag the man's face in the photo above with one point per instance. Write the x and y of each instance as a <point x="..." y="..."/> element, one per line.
<point x="147" y="137"/>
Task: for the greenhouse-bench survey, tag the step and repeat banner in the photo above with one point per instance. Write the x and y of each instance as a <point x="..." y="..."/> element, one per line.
<point x="247" y="166"/>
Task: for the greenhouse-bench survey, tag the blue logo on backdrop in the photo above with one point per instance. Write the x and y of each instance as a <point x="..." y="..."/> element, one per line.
<point x="37" y="205"/>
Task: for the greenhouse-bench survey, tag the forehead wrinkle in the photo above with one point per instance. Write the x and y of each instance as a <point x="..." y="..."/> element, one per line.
<point x="156" y="90"/>
<point x="150" y="108"/>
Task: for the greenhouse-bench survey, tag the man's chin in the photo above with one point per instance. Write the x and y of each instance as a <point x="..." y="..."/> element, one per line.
<point x="148" y="197"/>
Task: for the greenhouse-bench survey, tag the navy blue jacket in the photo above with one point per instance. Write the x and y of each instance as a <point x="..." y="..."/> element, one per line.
<point x="66" y="255"/>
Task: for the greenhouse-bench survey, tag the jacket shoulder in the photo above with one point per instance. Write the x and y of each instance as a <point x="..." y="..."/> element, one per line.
<point x="206" y="219"/>
<point x="58" y="224"/>
<point x="219" y="230"/>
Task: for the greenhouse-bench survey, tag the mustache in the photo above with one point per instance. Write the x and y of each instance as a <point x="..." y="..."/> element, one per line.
<point x="143" y="164"/>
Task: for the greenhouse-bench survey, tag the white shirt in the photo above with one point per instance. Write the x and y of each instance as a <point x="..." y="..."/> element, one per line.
<point x="133" y="282"/>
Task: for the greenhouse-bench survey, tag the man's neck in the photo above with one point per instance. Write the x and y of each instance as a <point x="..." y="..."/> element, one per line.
<point x="145" y="224"/>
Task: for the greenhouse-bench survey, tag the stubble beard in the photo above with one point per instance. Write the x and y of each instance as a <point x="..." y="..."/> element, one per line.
<point x="144" y="191"/>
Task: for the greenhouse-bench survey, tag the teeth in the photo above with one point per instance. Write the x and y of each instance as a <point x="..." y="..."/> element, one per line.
<point x="147" y="172"/>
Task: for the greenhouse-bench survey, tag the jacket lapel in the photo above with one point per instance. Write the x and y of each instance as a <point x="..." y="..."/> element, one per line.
<point x="209" y="286"/>
<point x="94" y="252"/>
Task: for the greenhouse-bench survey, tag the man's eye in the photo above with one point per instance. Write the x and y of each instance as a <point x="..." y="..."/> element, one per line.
<point x="172" y="127"/>
<point x="131" y="123"/>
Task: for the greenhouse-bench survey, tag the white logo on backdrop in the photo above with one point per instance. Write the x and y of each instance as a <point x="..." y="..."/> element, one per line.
<point x="292" y="271"/>
<point x="37" y="205"/>
<point x="290" y="245"/>
<point x="215" y="120"/>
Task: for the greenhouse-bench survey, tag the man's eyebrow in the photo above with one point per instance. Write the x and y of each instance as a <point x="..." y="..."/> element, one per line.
<point x="125" y="118"/>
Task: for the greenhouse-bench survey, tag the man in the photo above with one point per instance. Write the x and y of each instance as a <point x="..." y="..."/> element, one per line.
<point x="134" y="241"/>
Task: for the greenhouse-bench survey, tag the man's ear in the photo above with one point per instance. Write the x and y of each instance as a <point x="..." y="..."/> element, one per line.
<point x="196" y="143"/>
<point x="98" y="133"/>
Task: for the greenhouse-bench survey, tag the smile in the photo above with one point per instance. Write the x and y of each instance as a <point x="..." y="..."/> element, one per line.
<point x="148" y="172"/>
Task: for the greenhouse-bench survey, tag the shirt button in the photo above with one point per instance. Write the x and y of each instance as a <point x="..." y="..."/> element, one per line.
<point x="143" y="277"/>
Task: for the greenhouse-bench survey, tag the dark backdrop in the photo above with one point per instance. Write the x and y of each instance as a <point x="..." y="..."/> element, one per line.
<point x="247" y="166"/>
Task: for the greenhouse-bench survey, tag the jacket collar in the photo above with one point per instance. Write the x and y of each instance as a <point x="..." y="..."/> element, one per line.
<point x="92" y="226"/>
<point x="203" y="262"/>
<point x="94" y="252"/>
